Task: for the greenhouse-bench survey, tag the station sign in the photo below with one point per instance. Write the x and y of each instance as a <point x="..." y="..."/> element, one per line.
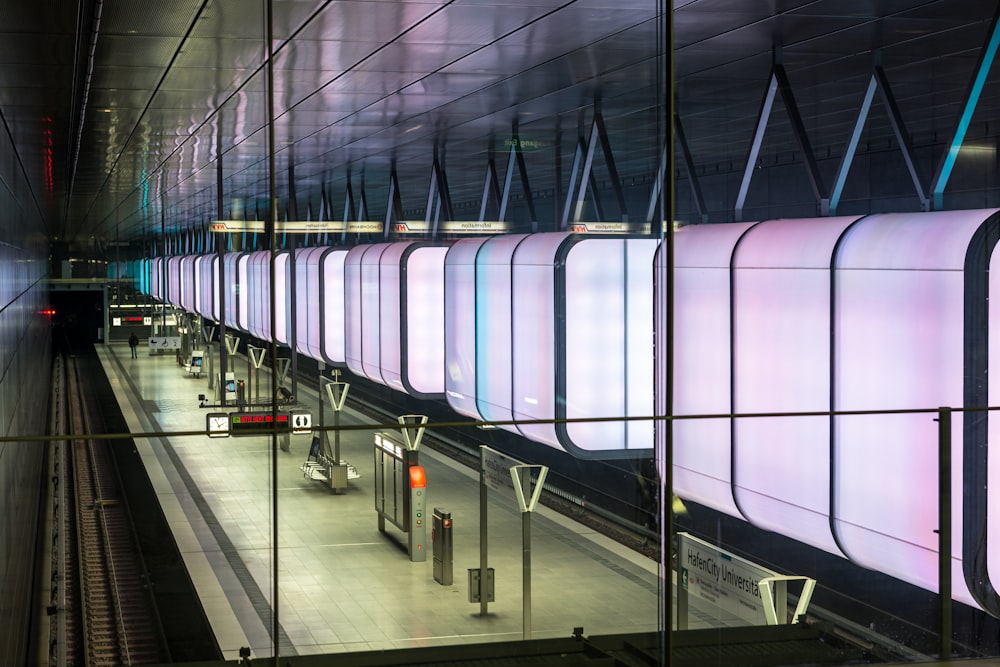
<point x="451" y="227"/>
<point x="610" y="228"/>
<point x="297" y="226"/>
<point x="301" y="421"/>
<point x="496" y="469"/>
<point x="731" y="583"/>
<point x="165" y="342"/>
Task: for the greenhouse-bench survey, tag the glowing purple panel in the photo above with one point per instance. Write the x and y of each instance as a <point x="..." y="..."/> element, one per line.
<point x="352" y="308"/>
<point x="702" y="374"/>
<point x="156" y="278"/>
<point x="898" y="344"/>
<point x="533" y="331"/>
<point x="372" y="313"/>
<point x="203" y="268"/>
<point x="389" y="371"/>
<point x="187" y="285"/>
<point x="993" y="426"/>
<point x="493" y="328"/>
<point x="173" y="281"/>
<point x="609" y="307"/>
<point x="334" y="317"/>
<point x="781" y="333"/>
<point x="424" y="336"/>
<point x="307" y="301"/>
<point x="460" y="326"/>
<point x="242" y="292"/>
<point x="257" y="295"/>
<point x="231" y="288"/>
<point x="281" y="297"/>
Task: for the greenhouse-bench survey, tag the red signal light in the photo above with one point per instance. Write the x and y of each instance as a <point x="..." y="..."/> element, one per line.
<point x="418" y="479"/>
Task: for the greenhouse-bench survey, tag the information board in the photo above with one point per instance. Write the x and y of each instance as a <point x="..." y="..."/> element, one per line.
<point x="255" y="423"/>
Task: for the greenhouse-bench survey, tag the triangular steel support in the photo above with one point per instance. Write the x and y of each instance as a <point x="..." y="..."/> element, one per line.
<point x="412" y="427"/>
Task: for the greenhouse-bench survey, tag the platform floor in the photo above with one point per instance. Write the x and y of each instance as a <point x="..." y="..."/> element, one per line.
<point x="343" y="586"/>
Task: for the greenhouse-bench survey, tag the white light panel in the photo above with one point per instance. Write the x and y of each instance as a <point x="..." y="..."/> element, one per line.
<point x="423" y="332"/>
<point x="781" y="332"/>
<point x="460" y="326"/>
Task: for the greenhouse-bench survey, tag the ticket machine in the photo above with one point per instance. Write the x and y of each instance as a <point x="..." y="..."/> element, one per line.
<point x="401" y="488"/>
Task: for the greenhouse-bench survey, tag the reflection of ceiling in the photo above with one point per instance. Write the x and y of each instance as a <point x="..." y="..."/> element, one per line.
<point x="106" y="141"/>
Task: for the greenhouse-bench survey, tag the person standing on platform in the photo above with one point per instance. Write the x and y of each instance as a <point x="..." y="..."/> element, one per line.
<point x="133" y="342"/>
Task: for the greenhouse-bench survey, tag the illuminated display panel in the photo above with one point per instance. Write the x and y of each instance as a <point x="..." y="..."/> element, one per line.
<point x="899" y="303"/>
<point x="252" y="423"/>
<point x="352" y="309"/>
<point x="198" y="274"/>
<point x="156" y="278"/>
<point x="702" y="358"/>
<point x="282" y="314"/>
<point x="371" y="312"/>
<point x="333" y="314"/>
<point x="533" y="334"/>
<point x="989" y="507"/>
<point x="208" y="302"/>
<point x="231" y="288"/>
<point x="607" y="345"/>
<point x="173" y="281"/>
<point x="389" y="370"/>
<point x="493" y="328"/>
<point x="242" y="292"/>
<point x="308" y="307"/>
<point x="258" y="295"/>
<point x="185" y="294"/>
<point x="142" y="275"/>
<point x="423" y="331"/>
<point x="460" y="326"/>
<point x="781" y="344"/>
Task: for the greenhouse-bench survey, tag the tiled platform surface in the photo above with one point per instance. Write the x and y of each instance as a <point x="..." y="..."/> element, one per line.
<point x="342" y="585"/>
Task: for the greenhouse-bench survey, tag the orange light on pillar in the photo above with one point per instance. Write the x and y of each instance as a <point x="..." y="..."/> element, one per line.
<point x="418" y="480"/>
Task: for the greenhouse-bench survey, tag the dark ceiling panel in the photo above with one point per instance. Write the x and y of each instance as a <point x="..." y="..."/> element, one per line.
<point x="363" y="85"/>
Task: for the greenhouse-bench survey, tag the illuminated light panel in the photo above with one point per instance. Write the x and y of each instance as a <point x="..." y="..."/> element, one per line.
<point x="231" y="288"/>
<point x="493" y="328"/>
<point x="282" y="308"/>
<point x="423" y="348"/>
<point x="308" y="307"/>
<point x="781" y="344"/>
<point x="173" y="281"/>
<point x="378" y="329"/>
<point x="460" y="326"/>
<point x="334" y="317"/>
<point x="390" y="356"/>
<point x="241" y="292"/>
<point x="702" y="363"/>
<point x="608" y="334"/>
<point x="989" y="507"/>
<point x="533" y="335"/>
<point x="890" y="322"/>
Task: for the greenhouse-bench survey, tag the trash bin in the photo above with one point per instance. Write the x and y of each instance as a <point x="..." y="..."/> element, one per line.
<point x="442" y="546"/>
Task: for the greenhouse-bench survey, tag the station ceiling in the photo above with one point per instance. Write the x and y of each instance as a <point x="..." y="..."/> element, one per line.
<point x="119" y="110"/>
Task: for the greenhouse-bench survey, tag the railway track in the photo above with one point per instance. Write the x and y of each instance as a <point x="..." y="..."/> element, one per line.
<point x="110" y="617"/>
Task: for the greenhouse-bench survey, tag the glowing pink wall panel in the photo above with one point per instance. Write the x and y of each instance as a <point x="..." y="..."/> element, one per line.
<point x="781" y="363"/>
<point x="702" y="363"/>
<point x="533" y="333"/>
<point x="334" y="317"/>
<point x="608" y="333"/>
<point x="898" y="345"/>
<point x="424" y="327"/>
<point x="460" y="326"/>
